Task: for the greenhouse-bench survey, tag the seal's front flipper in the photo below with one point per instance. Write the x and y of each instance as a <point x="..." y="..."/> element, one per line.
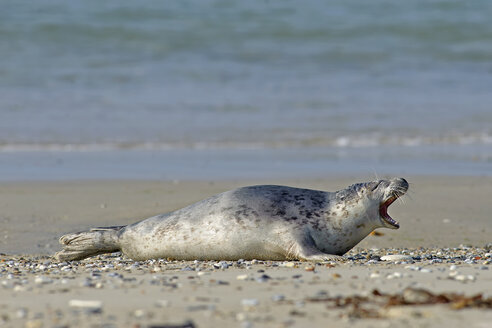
<point x="307" y="251"/>
<point x="78" y="246"/>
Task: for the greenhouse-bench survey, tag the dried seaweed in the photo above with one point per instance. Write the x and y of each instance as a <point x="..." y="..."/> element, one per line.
<point x="371" y="306"/>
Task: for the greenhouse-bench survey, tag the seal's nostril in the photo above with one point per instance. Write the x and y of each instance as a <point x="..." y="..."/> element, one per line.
<point x="403" y="182"/>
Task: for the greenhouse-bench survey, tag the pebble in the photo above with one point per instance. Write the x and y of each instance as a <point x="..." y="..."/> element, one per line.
<point x="163" y="303"/>
<point x="21" y="313"/>
<point x="263" y="278"/>
<point x="394" y="258"/>
<point x="278" y="297"/>
<point x="242" y="277"/>
<point x="464" y="278"/>
<point x="412" y="295"/>
<point x="139" y="313"/>
<point x="250" y="302"/>
<point x="91" y="306"/>
<point x="200" y="307"/>
<point x="42" y="280"/>
<point x="394" y="275"/>
<point x="34" y="324"/>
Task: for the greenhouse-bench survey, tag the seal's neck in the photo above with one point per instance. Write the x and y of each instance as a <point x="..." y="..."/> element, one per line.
<point x="355" y="220"/>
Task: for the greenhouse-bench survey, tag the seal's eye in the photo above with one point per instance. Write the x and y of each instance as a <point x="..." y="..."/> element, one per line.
<point x="376" y="185"/>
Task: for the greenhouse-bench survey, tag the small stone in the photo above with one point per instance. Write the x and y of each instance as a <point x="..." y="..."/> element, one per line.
<point x="19" y="288"/>
<point x="278" y="297"/>
<point x="453" y="274"/>
<point x="309" y="268"/>
<point x="263" y="278"/>
<point x="250" y="302"/>
<point x="289" y="264"/>
<point x="394" y="275"/>
<point x="242" y="277"/>
<point x="247" y="324"/>
<point x="241" y="316"/>
<point x="34" y="324"/>
<point x="21" y="313"/>
<point x="374" y="275"/>
<point x="200" y="307"/>
<point x="416" y="296"/>
<point x="42" y="280"/>
<point x="163" y="303"/>
<point x="460" y="277"/>
<point x="139" y="313"/>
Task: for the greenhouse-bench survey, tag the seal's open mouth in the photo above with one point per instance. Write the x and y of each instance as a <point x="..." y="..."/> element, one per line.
<point x="383" y="211"/>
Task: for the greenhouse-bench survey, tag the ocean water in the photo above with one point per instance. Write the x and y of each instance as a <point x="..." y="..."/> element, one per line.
<point x="251" y="89"/>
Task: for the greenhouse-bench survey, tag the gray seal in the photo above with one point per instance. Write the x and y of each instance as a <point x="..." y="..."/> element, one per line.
<point x="264" y="222"/>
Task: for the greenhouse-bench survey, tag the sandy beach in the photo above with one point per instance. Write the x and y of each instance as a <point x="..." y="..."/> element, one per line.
<point x="445" y="227"/>
<point x="112" y="112"/>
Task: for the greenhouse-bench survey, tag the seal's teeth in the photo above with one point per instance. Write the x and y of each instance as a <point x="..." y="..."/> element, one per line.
<point x="383" y="212"/>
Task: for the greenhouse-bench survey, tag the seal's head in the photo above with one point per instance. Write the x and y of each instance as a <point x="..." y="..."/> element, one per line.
<point x="389" y="191"/>
<point x="375" y="197"/>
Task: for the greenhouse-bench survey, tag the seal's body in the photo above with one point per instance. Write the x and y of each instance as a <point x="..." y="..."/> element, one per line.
<point x="257" y="222"/>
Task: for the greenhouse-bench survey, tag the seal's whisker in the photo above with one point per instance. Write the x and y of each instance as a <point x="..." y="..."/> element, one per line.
<point x="376" y="175"/>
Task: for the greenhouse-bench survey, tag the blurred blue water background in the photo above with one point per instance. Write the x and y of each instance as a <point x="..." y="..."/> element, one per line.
<point x="250" y="89"/>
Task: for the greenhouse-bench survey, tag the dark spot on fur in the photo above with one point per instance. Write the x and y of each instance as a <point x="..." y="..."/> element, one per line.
<point x="280" y="212"/>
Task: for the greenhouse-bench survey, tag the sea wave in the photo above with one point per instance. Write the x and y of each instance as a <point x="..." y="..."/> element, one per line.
<point x="364" y="141"/>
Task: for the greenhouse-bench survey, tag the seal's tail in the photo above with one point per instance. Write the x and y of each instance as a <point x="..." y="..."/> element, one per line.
<point x="78" y="246"/>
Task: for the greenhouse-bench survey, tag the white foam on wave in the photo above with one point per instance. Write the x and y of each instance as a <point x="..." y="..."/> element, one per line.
<point x="361" y="141"/>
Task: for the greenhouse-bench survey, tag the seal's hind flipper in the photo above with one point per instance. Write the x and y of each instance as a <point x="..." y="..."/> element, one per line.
<point x="78" y="246"/>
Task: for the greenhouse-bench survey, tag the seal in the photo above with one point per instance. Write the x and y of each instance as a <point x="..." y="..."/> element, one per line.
<point x="265" y="222"/>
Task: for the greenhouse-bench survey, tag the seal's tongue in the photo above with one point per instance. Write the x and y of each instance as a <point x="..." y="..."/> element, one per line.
<point x="383" y="211"/>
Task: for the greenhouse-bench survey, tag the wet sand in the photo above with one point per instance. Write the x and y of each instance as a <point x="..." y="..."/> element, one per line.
<point x="445" y="227"/>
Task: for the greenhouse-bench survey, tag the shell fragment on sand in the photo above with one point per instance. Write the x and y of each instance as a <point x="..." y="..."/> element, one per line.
<point x="396" y="258"/>
<point x="88" y="305"/>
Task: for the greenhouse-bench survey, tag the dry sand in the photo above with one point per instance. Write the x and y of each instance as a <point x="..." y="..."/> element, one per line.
<point x="448" y="216"/>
